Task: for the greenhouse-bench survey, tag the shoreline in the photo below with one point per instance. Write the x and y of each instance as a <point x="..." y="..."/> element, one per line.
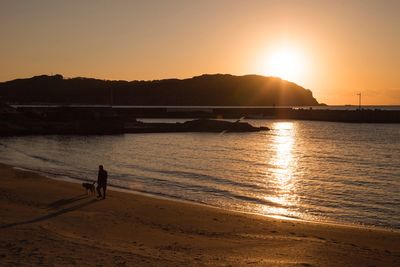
<point x="308" y="113"/>
<point x="45" y="221"/>
<point x="189" y="202"/>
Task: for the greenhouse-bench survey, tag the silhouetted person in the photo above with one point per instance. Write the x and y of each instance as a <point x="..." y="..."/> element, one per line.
<point x="102" y="182"/>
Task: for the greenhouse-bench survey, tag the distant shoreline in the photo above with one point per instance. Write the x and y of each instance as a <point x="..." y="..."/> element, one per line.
<point x="319" y="107"/>
<point x="352" y="114"/>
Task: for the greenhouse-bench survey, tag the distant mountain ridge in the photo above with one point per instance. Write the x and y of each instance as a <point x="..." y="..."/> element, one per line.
<point x="204" y="90"/>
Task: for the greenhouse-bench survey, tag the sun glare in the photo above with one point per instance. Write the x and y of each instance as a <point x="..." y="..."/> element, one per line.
<point x="286" y="63"/>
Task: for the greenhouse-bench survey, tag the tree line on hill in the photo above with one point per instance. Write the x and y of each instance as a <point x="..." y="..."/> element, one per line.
<point x="204" y="90"/>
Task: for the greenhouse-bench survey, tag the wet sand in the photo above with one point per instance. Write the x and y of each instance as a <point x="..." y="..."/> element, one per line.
<point x="54" y="223"/>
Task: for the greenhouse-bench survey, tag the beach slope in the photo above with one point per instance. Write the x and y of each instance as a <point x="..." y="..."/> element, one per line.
<point x="47" y="222"/>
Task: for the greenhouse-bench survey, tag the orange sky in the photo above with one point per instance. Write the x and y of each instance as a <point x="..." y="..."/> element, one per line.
<point x="344" y="46"/>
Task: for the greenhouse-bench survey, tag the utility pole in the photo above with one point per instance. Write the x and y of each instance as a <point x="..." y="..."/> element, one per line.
<point x="359" y="100"/>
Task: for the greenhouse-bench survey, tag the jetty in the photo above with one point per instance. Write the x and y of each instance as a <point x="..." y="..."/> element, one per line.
<point x="104" y="121"/>
<point x="126" y="113"/>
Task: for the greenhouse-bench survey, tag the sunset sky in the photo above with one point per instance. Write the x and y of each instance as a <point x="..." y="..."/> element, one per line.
<point x="334" y="48"/>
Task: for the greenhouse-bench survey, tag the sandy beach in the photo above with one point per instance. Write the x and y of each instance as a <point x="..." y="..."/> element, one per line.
<point x="54" y="223"/>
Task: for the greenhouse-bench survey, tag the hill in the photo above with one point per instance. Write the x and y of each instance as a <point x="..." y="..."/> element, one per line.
<point x="204" y="90"/>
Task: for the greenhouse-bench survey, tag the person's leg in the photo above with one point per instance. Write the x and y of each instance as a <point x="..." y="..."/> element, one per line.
<point x="104" y="191"/>
<point x="98" y="191"/>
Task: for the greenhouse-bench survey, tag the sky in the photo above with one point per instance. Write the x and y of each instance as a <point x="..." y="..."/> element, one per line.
<point x="334" y="48"/>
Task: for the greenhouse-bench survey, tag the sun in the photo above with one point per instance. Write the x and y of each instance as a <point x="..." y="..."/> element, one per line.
<point x="286" y="63"/>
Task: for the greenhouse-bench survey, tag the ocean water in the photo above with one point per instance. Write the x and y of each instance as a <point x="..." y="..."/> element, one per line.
<point x="318" y="171"/>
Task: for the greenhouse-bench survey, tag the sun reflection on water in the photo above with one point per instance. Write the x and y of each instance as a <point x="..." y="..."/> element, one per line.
<point x="281" y="174"/>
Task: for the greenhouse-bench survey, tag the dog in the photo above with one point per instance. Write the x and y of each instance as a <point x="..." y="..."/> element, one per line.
<point x="89" y="187"/>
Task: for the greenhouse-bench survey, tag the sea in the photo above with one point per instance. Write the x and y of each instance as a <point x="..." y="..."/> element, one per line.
<point x="332" y="172"/>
